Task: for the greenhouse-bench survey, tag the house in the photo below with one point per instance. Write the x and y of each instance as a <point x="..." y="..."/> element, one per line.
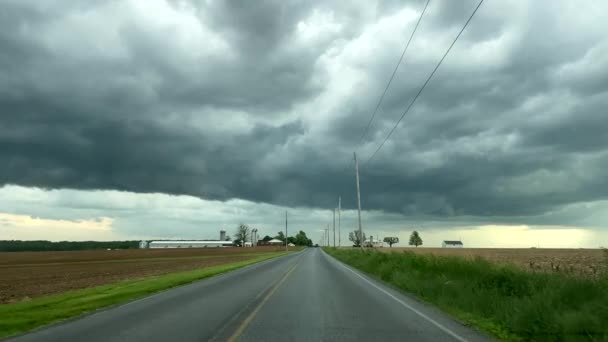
<point x="452" y="244"/>
<point x="275" y="242"/>
<point x="372" y="243"/>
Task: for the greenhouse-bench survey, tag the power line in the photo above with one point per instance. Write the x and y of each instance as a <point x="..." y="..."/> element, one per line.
<point x="424" y="85"/>
<point x="369" y="124"/>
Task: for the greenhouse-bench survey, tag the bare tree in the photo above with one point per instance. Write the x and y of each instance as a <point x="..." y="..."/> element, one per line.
<point x="242" y="233"/>
<point x="356" y="238"/>
<point x="391" y="240"/>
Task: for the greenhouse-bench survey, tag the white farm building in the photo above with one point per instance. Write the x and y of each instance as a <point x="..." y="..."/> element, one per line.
<point x="185" y="244"/>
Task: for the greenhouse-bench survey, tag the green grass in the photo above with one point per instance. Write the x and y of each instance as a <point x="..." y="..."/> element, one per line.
<point x="23" y="316"/>
<point x="507" y="302"/>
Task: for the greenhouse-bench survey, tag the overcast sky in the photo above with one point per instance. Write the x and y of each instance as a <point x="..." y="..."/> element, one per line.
<point x="174" y="119"/>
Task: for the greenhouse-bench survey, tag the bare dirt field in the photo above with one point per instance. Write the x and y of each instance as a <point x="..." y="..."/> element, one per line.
<point x="26" y="275"/>
<point x="589" y="262"/>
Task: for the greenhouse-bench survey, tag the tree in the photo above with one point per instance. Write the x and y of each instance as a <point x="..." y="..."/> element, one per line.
<point x="266" y="238"/>
<point x="391" y="240"/>
<point x="415" y="239"/>
<point x="356" y="238"/>
<point x="228" y="238"/>
<point x="280" y="236"/>
<point x="43" y="245"/>
<point x="302" y="239"/>
<point x="242" y="233"/>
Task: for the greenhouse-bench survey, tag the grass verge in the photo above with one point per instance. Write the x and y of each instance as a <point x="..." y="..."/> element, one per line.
<point x="505" y="301"/>
<point x="24" y="316"/>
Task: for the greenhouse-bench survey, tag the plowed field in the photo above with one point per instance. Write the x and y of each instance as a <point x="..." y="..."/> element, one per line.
<point x="26" y="275"/>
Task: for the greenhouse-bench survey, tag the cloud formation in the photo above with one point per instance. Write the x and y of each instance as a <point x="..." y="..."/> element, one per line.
<point x="266" y="103"/>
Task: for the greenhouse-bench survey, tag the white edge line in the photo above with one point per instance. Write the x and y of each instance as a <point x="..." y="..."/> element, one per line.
<point x="434" y="322"/>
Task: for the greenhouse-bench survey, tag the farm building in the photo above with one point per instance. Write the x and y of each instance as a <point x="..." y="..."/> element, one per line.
<point x="275" y="242"/>
<point x="186" y="244"/>
<point x="452" y="244"/>
<point x="372" y="243"/>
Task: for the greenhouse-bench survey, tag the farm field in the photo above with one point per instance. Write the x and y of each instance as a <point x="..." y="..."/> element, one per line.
<point x="25" y="275"/>
<point x="587" y="262"/>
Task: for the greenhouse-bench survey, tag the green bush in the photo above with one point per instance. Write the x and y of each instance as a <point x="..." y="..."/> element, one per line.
<point x="508" y="302"/>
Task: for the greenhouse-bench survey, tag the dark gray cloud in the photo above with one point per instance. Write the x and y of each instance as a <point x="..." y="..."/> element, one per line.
<point x="266" y="103"/>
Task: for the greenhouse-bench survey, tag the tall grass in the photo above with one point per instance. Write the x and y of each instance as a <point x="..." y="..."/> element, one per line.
<point x="508" y="302"/>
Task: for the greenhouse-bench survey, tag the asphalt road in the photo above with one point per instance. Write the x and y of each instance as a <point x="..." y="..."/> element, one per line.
<point x="306" y="296"/>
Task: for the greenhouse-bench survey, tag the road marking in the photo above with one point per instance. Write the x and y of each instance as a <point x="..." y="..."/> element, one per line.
<point x="251" y="316"/>
<point x="434" y="322"/>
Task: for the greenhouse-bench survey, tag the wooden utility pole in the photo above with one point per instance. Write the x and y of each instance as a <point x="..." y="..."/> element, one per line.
<point x="358" y="200"/>
<point x="339" y="210"/>
<point x="334" y="227"/>
<point x="286" y="230"/>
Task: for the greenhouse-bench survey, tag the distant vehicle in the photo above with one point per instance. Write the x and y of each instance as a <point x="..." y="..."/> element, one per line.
<point x="316" y="245"/>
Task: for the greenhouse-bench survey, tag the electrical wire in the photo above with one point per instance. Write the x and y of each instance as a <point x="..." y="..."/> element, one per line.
<point x="424" y="85"/>
<point x="393" y="74"/>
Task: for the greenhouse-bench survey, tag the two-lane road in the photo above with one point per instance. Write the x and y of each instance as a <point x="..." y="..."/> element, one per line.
<point x="306" y="296"/>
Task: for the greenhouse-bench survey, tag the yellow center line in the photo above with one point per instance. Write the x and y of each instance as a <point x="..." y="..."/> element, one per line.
<point x="251" y="316"/>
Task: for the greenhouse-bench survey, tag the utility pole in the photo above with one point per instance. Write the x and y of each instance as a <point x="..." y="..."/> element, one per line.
<point x="339" y="210"/>
<point x="358" y="199"/>
<point x="286" y="230"/>
<point x="334" y="227"/>
<point x="328" y="235"/>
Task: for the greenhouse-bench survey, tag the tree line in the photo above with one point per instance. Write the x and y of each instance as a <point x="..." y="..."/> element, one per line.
<point x="243" y="233"/>
<point x="357" y="238"/>
<point x="44" y="245"/>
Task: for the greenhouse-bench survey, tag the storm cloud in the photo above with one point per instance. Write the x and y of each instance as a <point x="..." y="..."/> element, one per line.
<point x="266" y="102"/>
